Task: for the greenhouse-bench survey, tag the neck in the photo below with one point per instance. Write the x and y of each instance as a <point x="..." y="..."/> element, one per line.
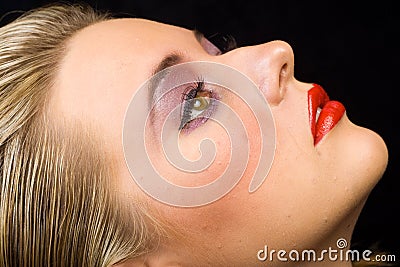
<point x="335" y="250"/>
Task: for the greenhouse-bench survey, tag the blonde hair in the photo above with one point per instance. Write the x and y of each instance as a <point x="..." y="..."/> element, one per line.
<point x="56" y="208"/>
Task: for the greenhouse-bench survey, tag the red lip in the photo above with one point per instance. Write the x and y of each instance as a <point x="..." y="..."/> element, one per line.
<point x="331" y="112"/>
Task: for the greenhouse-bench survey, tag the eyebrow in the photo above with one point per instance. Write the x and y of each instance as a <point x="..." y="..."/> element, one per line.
<point x="175" y="58"/>
<point x="169" y="60"/>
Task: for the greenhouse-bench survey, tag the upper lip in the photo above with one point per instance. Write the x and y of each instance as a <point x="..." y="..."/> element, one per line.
<point x="317" y="98"/>
<point x="331" y="112"/>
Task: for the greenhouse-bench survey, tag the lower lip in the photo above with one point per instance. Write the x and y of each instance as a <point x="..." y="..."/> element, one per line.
<point x="330" y="115"/>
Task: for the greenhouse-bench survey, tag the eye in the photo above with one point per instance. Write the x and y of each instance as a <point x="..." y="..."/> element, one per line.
<point x="216" y="44"/>
<point x="197" y="106"/>
<point x="224" y="42"/>
<point x="201" y="103"/>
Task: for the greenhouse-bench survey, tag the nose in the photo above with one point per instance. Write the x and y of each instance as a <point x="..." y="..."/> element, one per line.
<point x="269" y="65"/>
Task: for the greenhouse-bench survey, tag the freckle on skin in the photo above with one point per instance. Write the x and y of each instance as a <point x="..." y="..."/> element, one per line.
<point x="204" y="227"/>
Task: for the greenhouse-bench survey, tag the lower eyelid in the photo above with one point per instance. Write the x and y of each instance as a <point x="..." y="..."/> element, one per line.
<point x="210" y="48"/>
<point x="224" y="42"/>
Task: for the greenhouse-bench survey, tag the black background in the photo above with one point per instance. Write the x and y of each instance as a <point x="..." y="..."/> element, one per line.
<point x="347" y="47"/>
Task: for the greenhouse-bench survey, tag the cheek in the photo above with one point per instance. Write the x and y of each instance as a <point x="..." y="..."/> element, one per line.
<point x="212" y="148"/>
<point x="207" y="149"/>
<point x="212" y="142"/>
<point x="229" y="219"/>
<point x="194" y="159"/>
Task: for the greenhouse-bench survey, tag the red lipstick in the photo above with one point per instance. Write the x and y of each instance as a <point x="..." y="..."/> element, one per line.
<point x="323" y="113"/>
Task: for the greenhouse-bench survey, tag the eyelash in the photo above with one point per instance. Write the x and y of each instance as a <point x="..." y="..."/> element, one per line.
<point x="225" y="43"/>
<point x="189" y="122"/>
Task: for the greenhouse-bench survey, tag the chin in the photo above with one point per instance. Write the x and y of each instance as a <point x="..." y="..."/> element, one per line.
<point x="357" y="158"/>
<point x="371" y="151"/>
<point x="360" y="156"/>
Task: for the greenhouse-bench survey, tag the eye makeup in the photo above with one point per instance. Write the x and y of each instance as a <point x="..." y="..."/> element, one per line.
<point x="198" y="104"/>
<point x="198" y="100"/>
<point x="224" y="42"/>
<point x="217" y="43"/>
<point x="188" y="105"/>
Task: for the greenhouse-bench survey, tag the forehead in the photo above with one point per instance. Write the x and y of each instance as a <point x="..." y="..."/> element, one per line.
<point x="104" y="63"/>
<point x="140" y="36"/>
<point x="128" y="27"/>
<point x="120" y="42"/>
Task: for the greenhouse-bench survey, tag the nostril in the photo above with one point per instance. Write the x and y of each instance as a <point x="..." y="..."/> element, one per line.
<point x="283" y="74"/>
<point x="283" y="78"/>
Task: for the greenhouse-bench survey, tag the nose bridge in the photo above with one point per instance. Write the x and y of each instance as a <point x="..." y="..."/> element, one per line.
<point x="269" y="65"/>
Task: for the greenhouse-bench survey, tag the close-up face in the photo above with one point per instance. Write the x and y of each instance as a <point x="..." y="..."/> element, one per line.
<point x="323" y="166"/>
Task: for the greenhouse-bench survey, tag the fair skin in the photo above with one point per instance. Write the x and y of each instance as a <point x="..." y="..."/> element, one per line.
<point x="308" y="205"/>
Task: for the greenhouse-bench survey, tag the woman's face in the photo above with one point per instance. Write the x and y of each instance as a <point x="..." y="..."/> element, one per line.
<point x="312" y="195"/>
